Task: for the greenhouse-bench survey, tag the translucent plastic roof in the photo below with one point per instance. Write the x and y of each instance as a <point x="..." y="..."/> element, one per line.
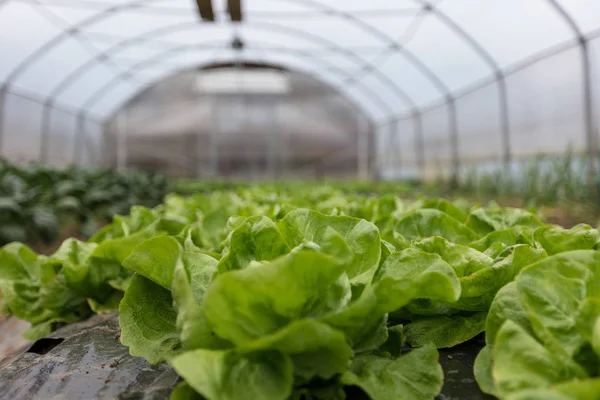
<point x="392" y="57"/>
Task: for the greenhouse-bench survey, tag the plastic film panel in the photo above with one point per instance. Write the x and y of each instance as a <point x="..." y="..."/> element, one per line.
<point x="79" y="89"/>
<point x="409" y="78"/>
<point x="62" y="130"/>
<point x="446" y="54"/>
<point x="52" y="67"/>
<point x="21" y="127"/>
<point x="546" y="106"/>
<point x="16" y="44"/>
<point x="584" y="12"/>
<point x="479" y="124"/>
<point x="407" y="143"/>
<point x="509" y="29"/>
<point x="436" y="141"/>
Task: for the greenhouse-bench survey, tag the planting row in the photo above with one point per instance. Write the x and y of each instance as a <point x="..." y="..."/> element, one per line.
<point x="37" y="201"/>
<point x="269" y="293"/>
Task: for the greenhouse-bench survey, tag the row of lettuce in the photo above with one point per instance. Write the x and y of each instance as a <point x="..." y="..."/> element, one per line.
<point x="38" y="201"/>
<point x="266" y="293"/>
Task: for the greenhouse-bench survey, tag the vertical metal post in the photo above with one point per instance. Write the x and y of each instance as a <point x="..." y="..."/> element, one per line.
<point x="504" y="121"/>
<point x="122" y="140"/>
<point x="588" y="99"/>
<point x="214" y="137"/>
<point x="105" y="142"/>
<point x="79" y="140"/>
<point x="419" y="143"/>
<point x="45" y="132"/>
<point x="453" y="124"/>
<point x="273" y="141"/>
<point x="591" y="137"/>
<point x="362" y="147"/>
<point x="2" y="115"/>
<point x="202" y="124"/>
<point x="396" y="157"/>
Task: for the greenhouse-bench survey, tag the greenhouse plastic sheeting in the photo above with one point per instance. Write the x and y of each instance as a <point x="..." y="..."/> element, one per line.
<point x="489" y="81"/>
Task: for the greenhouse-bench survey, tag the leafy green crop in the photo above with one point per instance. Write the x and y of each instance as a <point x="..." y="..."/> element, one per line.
<point x="36" y="201"/>
<point x="314" y="293"/>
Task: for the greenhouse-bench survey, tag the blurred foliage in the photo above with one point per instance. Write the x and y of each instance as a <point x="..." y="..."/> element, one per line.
<point x="36" y="200"/>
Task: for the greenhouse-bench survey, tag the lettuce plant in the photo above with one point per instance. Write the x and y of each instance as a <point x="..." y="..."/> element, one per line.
<point x="277" y="294"/>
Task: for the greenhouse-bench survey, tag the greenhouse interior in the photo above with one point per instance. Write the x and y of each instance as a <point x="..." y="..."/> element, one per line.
<point x="300" y="199"/>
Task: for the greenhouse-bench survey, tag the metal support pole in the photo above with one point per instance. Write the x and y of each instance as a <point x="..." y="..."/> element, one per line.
<point x="105" y="150"/>
<point x="2" y="115"/>
<point x="214" y="138"/>
<point x="419" y="143"/>
<point x="122" y="140"/>
<point x="396" y="157"/>
<point x="45" y="132"/>
<point x="273" y="142"/>
<point x="504" y="121"/>
<point x="363" y="147"/>
<point x="79" y="140"/>
<point x="591" y="137"/>
<point x="588" y="99"/>
<point x="453" y="124"/>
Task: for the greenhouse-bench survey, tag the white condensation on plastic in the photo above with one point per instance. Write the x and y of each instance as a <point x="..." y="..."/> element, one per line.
<point x="436" y="141"/>
<point x="480" y="136"/>
<point x="586" y="13"/>
<point x="132" y="23"/>
<point x="446" y="54"/>
<point x="17" y="43"/>
<point x="547" y="113"/>
<point x="52" y="67"/>
<point x="79" y="89"/>
<point x="510" y="30"/>
<point x="409" y="78"/>
<point x="21" y="141"/>
<point x="113" y="99"/>
<point x="61" y="132"/>
<point x="388" y="94"/>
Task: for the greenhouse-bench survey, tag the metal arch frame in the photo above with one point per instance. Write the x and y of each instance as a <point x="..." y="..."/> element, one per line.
<point x="433" y="78"/>
<point x="175" y="27"/>
<point x="99" y="94"/>
<point x="588" y="99"/>
<point x="487" y="58"/>
<point x="33" y="57"/>
<point x="52" y="43"/>
<point x="107" y="12"/>
<point x="92" y="62"/>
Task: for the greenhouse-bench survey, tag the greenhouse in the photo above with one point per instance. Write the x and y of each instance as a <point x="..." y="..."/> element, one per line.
<point x="300" y="199"/>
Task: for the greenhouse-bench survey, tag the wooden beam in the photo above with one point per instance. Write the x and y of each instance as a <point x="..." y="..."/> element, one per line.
<point x="205" y="9"/>
<point x="234" y="7"/>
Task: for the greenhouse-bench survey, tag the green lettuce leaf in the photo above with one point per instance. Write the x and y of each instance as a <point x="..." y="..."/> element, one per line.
<point x="521" y="362"/>
<point x="425" y="223"/>
<point x="155" y="259"/>
<point x="552" y="291"/>
<point x="325" y="354"/>
<point x="254" y="239"/>
<point x="148" y="321"/>
<point x="247" y="304"/>
<point x="414" y="376"/>
<point x="228" y="375"/>
<point x="486" y="220"/>
<point x="444" y="331"/>
<point x="558" y="240"/>
<point x="362" y="238"/>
